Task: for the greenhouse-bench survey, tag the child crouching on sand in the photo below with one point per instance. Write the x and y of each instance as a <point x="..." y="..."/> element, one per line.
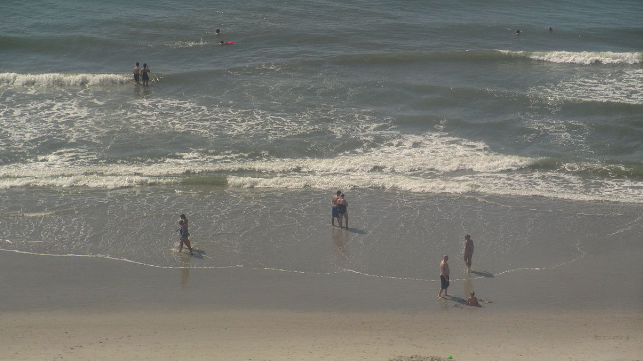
<point x="473" y="300"/>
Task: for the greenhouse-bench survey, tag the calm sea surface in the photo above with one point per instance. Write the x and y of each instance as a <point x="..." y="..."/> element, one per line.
<point x="405" y="105"/>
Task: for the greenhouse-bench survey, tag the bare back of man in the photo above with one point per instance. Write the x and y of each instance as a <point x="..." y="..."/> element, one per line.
<point x="444" y="276"/>
<point x="137" y="72"/>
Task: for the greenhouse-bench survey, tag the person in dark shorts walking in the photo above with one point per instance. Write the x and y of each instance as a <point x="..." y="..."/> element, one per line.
<point x="444" y="276"/>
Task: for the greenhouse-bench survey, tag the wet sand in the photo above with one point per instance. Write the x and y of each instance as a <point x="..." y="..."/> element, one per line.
<point x="78" y="308"/>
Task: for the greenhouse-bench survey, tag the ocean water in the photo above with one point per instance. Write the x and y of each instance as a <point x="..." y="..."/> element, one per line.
<point x="433" y="117"/>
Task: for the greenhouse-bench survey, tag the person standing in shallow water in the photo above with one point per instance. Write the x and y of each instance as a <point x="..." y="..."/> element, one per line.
<point x="334" y="213"/>
<point x="184" y="234"/>
<point x="444" y="276"/>
<point x="342" y="210"/>
<point x="145" y="74"/>
<point x="136" y="73"/>
<point x="468" y="251"/>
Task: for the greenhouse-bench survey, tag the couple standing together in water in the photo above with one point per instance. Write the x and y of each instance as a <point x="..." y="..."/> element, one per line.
<point x="340" y="209"/>
<point x="142" y="73"/>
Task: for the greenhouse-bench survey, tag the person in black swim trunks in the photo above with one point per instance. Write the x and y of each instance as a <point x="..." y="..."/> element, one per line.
<point x="468" y="251"/>
<point x="444" y="276"/>
<point x="136" y="73"/>
<point x="342" y="210"/>
<point x="145" y="72"/>
<point x="334" y="213"/>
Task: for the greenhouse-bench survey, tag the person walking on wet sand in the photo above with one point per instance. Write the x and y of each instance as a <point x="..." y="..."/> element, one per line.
<point x="334" y="213"/>
<point x="184" y="234"/>
<point x="444" y="276"/>
<point x="468" y="251"/>
<point x="342" y="210"/>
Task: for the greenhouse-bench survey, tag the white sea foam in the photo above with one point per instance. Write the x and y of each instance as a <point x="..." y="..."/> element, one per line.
<point x="620" y="86"/>
<point x="414" y="155"/>
<point x="57" y="79"/>
<point x="115" y="259"/>
<point x="582" y="58"/>
<point x="186" y="44"/>
<point x="431" y="163"/>
<point x="544" y="185"/>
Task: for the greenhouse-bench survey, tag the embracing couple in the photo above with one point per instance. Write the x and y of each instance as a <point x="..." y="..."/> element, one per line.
<point x="340" y="209"/>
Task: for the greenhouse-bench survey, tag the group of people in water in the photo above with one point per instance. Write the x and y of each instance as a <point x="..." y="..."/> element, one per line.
<point x="142" y="74"/>
<point x="222" y="42"/>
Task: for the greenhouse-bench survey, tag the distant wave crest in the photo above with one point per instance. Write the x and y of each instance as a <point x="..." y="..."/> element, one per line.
<point x="582" y="58"/>
<point x="58" y="79"/>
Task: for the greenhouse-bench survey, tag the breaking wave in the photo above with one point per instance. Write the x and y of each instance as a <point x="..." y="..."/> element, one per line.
<point x="582" y="58"/>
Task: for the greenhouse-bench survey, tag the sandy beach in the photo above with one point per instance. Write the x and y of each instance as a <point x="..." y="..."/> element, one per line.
<point x="284" y="335"/>
<point x="432" y="118"/>
<point x="79" y="308"/>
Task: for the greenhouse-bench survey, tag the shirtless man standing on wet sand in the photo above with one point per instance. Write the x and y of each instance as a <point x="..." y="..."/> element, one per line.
<point x="468" y="251"/>
<point x="334" y="209"/>
<point x="444" y="276"/>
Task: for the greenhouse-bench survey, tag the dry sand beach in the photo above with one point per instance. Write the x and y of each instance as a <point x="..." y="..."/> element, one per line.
<point x="79" y="308"/>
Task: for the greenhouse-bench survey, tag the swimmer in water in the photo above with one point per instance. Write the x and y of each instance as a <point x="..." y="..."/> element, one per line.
<point x="218" y="31"/>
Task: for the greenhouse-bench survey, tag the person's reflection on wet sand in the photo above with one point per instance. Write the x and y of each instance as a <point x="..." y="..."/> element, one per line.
<point x="341" y="239"/>
<point x="185" y="269"/>
<point x="468" y="285"/>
